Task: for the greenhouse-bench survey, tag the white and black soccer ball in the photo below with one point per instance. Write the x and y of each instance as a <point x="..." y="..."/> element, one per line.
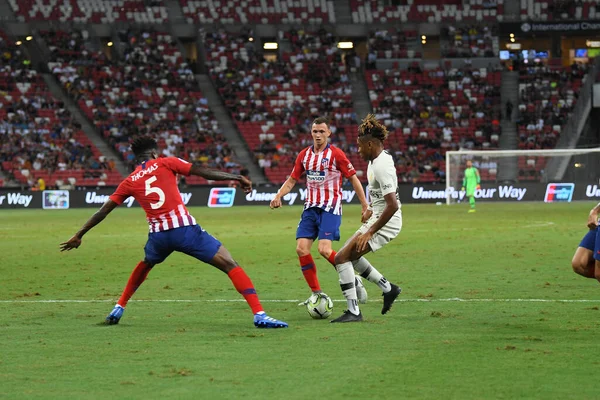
<point x="320" y="307"/>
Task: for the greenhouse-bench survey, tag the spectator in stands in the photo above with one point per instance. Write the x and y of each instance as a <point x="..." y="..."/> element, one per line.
<point x="41" y="184"/>
<point x="470" y="41"/>
<point x="130" y="105"/>
<point x="509" y="109"/>
<point x="546" y="102"/>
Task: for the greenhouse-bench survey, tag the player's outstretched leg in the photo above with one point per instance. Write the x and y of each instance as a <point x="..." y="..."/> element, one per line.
<point x="352" y="314"/>
<point x="597" y="270"/>
<point x="244" y="286"/>
<point x="583" y="262"/>
<point x="344" y="261"/>
<point x="369" y="272"/>
<point x="138" y="276"/>
<point x="329" y="254"/>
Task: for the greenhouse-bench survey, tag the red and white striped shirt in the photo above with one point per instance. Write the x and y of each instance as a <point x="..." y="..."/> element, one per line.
<point x="324" y="175"/>
<point x="174" y="219"/>
<point x="153" y="185"/>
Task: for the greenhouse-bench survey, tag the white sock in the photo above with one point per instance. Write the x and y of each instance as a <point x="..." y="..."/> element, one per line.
<point x="367" y="271"/>
<point x="347" y="285"/>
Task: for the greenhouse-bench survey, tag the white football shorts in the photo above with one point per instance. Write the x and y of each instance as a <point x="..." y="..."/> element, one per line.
<point x="385" y="235"/>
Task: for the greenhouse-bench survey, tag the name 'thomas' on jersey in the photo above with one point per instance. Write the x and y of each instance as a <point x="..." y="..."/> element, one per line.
<point x="383" y="180"/>
<point x="324" y="176"/>
<point x="153" y="185"/>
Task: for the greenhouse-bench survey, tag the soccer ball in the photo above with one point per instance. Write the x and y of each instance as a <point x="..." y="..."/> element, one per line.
<point x="320" y="307"/>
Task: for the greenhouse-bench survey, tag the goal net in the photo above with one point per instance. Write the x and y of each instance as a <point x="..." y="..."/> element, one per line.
<point x="510" y="167"/>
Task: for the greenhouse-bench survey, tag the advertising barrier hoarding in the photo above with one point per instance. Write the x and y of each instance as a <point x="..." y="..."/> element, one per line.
<point x="223" y="197"/>
<point x="547" y="27"/>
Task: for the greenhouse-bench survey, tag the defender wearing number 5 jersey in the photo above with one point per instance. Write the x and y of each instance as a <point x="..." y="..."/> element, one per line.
<point x="172" y="228"/>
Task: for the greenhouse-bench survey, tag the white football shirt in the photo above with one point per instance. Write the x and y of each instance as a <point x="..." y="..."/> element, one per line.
<point x="383" y="180"/>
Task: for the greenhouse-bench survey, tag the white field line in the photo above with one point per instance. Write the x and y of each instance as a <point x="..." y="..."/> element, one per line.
<point x="461" y="229"/>
<point x="539" y="225"/>
<point x="452" y="299"/>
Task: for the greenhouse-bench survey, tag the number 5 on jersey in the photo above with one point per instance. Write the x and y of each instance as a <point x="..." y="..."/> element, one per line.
<point x="158" y="191"/>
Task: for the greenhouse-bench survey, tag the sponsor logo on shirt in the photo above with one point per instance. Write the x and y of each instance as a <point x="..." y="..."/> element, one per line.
<point x="375" y="194"/>
<point x="221" y="197"/>
<point x="315" y="176"/>
<point x="559" y="192"/>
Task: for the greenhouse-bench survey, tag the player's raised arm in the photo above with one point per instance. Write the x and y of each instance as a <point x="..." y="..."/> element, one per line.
<point x="215" y="175"/>
<point x="94" y="220"/>
<point x="287" y="187"/>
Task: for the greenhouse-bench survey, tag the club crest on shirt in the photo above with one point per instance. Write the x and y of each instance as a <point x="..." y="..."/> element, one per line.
<point x="325" y="162"/>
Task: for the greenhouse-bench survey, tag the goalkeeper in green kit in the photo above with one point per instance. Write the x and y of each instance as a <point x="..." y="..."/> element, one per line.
<point x="471" y="183"/>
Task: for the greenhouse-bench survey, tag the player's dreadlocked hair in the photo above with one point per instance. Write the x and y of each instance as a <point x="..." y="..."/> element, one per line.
<point x="370" y="126"/>
<point x="143" y="145"/>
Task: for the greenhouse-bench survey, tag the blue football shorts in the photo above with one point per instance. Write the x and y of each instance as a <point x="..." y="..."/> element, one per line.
<point x="317" y="223"/>
<point x="591" y="241"/>
<point x="191" y="240"/>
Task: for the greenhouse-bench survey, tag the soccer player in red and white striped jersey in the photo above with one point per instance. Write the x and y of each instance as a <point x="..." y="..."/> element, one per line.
<point x="325" y="167"/>
<point x="172" y="228"/>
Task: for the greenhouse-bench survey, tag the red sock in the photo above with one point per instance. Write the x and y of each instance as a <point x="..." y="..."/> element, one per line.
<point x="244" y="286"/>
<point x="331" y="258"/>
<point x="138" y="276"/>
<point x="309" y="270"/>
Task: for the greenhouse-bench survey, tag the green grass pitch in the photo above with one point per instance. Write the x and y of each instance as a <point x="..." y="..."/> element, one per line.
<point x="193" y="346"/>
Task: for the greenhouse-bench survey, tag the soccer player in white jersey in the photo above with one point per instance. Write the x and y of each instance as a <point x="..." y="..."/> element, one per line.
<point x="325" y="166"/>
<point x="383" y="222"/>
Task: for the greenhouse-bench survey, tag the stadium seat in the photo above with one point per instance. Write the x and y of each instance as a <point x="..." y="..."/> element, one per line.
<point x="259" y="11"/>
<point x="168" y="102"/>
<point x="92" y="11"/>
<point x="269" y="127"/>
<point x="420" y="138"/>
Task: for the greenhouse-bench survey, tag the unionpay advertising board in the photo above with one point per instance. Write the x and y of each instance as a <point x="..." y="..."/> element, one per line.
<point x="223" y="197"/>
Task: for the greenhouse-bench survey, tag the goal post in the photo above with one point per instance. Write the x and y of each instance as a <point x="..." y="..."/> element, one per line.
<point x="521" y="166"/>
